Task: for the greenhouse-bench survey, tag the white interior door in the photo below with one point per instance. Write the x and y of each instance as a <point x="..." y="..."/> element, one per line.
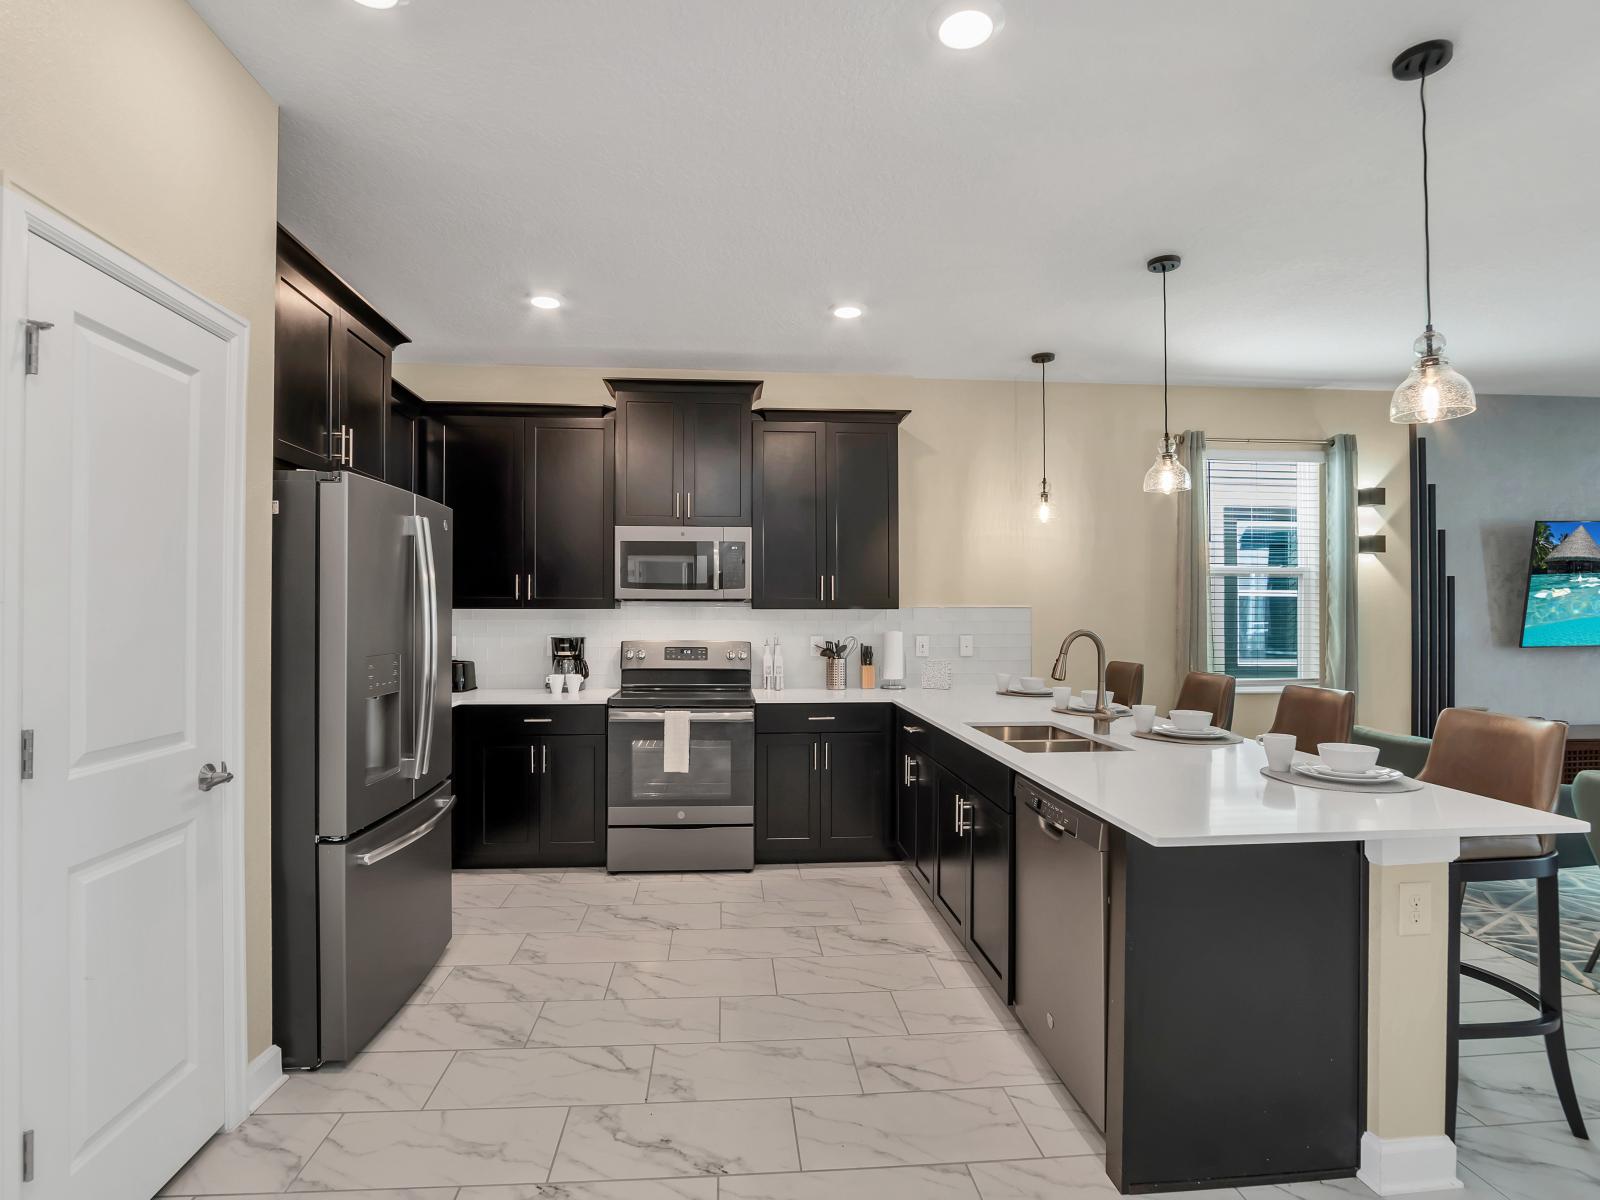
<point x="124" y="649"/>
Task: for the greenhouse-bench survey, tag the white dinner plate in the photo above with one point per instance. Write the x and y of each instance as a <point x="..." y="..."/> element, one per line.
<point x="1318" y="771"/>
<point x="1116" y="710"/>
<point x="1016" y="691"/>
<point x="1209" y="734"/>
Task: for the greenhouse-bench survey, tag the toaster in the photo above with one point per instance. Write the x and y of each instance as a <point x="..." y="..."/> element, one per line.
<point x="463" y="675"/>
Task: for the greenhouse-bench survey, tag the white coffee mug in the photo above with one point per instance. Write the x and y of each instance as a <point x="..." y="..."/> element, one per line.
<point x="1144" y="717"/>
<point x="553" y="682"/>
<point x="1002" y="683"/>
<point x="1280" y="750"/>
<point x="1061" y="697"/>
<point x="574" y="682"/>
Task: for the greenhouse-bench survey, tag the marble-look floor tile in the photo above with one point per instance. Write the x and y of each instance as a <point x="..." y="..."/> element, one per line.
<point x="835" y="1015"/>
<point x="625" y="1022"/>
<point x="645" y="945"/>
<point x="603" y="1189"/>
<point x="705" y="977"/>
<point x="620" y="918"/>
<point x="263" y="1155"/>
<point x="441" y="1193"/>
<point x="524" y="983"/>
<point x="871" y="1183"/>
<point x="892" y="910"/>
<point x="699" y="891"/>
<point x="1058" y="1125"/>
<point x="855" y="973"/>
<point x="371" y="1082"/>
<point x="957" y="972"/>
<point x="1472" y="1188"/>
<point x="753" y="1070"/>
<point x="641" y="1141"/>
<point x="479" y="895"/>
<point x="430" y="986"/>
<point x="772" y="914"/>
<point x="849" y="870"/>
<point x="932" y="1062"/>
<point x="514" y="876"/>
<point x="547" y="1076"/>
<point x="1532" y="1162"/>
<point x="953" y="1010"/>
<point x="600" y="891"/>
<point x="480" y="949"/>
<point x="530" y="919"/>
<point x="1053" y="1179"/>
<point x="785" y="888"/>
<point x="908" y="1128"/>
<point x="1510" y="1089"/>
<point x="435" y="1149"/>
<point x="456" y="1027"/>
<point x="887" y="939"/>
<point x="743" y="943"/>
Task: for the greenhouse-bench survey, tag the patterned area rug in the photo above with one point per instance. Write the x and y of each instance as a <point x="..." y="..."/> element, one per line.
<point x="1505" y="915"/>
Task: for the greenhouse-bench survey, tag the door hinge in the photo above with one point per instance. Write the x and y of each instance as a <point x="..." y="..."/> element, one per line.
<point x="27" y="754"/>
<point x="27" y="1156"/>
<point x="30" y="344"/>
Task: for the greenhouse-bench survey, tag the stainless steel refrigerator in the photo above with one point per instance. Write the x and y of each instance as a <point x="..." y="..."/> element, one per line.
<point x="361" y="772"/>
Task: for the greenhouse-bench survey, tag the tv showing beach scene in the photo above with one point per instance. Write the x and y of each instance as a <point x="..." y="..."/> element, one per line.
<point x="1563" y="585"/>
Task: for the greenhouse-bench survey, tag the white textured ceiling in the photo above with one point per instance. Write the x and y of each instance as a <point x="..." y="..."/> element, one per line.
<point x="703" y="179"/>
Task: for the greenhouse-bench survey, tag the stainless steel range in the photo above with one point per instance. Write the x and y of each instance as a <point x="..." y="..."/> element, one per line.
<point x="680" y="770"/>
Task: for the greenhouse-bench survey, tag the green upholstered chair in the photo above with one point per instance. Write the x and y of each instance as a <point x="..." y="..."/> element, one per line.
<point x="1401" y="751"/>
<point x="1586" y="806"/>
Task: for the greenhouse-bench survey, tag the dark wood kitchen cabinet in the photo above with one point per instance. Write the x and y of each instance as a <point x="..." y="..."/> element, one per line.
<point x="916" y="798"/>
<point x="822" y="783"/>
<point x="683" y="451"/>
<point x="989" y="915"/>
<point x="532" y="496"/>
<point x="333" y="355"/>
<point x="952" y="880"/>
<point x="530" y="787"/>
<point x="827" y="510"/>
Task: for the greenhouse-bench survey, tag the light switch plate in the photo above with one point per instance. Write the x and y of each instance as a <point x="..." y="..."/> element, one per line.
<point x="922" y="645"/>
<point x="966" y="645"/>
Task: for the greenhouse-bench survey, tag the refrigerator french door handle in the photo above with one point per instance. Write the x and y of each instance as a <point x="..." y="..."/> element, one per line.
<point x="427" y="677"/>
<point x="373" y="857"/>
<point x="431" y="629"/>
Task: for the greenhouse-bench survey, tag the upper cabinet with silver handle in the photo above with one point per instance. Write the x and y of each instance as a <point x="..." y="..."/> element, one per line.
<point x="211" y="776"/>
<point x="910" y="768"/>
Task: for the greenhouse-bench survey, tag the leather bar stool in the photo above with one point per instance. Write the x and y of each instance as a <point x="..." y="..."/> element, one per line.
<point x="1315" y="715"/>
<point x="1586" y="806"/>
<point x="1125" y="681"/>
<point x="1518" y="760"/>
<point x="1208" y="693"/>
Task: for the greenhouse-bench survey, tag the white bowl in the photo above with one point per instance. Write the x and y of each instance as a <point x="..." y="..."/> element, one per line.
<point x="1031" y="683"/>
<point x="1189" y="718"/>
<point x="1347" y="756"/>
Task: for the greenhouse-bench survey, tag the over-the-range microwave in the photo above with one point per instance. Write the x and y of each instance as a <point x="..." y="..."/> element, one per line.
<point x="681" y="562"/>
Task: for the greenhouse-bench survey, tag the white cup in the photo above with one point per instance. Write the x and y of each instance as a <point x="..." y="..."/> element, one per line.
<point x="553" y="682"/>
<point x="1061" y="697"/>
<point x="1144" y="717"/>
<point x="1279" y="748"/>
<point x="1002" y="683"/>
<point x="1190" y="719"/>
<point x="1092" y="694"/>
<point x="574" y="682"/>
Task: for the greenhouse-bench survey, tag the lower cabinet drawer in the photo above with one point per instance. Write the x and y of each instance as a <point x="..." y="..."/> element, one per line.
<point x="846" y="717"/>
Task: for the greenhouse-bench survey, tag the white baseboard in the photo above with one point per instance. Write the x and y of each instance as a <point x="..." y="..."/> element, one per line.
<point x="1400" y="1166"/>
<point x="263" y="1076"/>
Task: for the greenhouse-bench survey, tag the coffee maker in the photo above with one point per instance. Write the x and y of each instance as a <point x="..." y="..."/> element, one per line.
<point x="566" y="653"/>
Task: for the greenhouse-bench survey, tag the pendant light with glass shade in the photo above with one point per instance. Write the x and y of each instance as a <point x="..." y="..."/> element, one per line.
<point x="1168" y="475"/>
<point x="1044" y="511"/>
<point x="1434" y="390"/>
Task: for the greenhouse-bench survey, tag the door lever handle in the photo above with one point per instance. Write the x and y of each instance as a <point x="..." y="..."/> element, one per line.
<point x="211" y="776"/>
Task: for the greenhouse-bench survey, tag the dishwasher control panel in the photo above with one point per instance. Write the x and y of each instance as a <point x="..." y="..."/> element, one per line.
<point x="1063" y="817"/>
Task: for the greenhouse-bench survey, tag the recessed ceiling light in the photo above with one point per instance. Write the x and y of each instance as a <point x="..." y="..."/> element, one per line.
<point x="542" y="300"/>
<point x="846" y="312"/>
<point x="967" y="28"/>
<point x="378" y="3"/>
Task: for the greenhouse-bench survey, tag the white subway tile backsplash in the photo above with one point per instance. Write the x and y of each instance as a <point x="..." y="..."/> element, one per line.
<point x="512" y="646"/>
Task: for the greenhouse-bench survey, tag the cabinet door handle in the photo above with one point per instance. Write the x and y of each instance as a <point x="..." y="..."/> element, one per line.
<point x="530" y="585"/>
<point x="833" y="587"/>
<point x="533" y="760"/>
<point x="350" y="447"/>
<point x="820" y="596"/>
<point x="537" y="720"/>
<point x="675" y="498"/>
<point x="826" y="765"/>
<point x="912" y="728"/>
<point x="909" y="780"/>
<point x="813" y="756"/>
<point x="516" y="587"/>
<point x="544" y="758"/>
<point x="688" y="506"/>
<point x="819" y="718"/>
<point x="336" y="436"/>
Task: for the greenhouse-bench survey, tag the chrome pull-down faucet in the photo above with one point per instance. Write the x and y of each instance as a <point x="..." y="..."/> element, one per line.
<point x="1102" y="715"/>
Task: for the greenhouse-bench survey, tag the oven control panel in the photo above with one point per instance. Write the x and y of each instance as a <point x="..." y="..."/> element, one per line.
<point x="704" y="655"/>
<point x="685" y="653"/>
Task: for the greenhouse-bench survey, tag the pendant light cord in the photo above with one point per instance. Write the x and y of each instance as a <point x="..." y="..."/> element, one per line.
<point x="1044" y="465"/>
<point x="1166" y="423"/>
<point x="1427" y="239"/>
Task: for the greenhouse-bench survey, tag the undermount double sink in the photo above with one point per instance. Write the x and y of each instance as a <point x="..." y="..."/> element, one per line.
<point x="1045" y="739"/>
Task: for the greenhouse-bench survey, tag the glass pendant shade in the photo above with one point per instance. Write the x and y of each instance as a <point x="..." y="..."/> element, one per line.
<point x="1434" y="391"/>
<point x="1167" y="475"/>
<point x="1045" y="512"/>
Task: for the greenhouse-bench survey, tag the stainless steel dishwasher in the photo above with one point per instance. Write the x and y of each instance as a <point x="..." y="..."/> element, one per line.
<point x="1061" y="940"/>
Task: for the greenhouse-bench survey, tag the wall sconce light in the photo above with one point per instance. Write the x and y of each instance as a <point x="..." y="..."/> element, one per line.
<point x="1373" y="497"/>
<point x="1372" y="543"/>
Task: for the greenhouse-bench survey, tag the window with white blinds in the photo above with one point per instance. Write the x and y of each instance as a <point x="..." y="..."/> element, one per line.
<point x="1264" y="571"/>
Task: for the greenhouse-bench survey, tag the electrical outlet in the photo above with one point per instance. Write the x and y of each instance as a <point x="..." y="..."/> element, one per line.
<point x="922" y="645"/>
<point x="1416" y="909"/>
<point x="966" y="645"/>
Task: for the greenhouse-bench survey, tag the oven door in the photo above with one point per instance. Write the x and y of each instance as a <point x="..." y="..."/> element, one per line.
<point x="682" y="563"/>
<point x="717" y="789"/>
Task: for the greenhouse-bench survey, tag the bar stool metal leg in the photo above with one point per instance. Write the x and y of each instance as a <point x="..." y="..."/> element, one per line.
<point x="1555" y="1042"/>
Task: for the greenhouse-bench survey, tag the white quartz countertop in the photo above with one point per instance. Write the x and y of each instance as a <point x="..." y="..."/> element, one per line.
<point x="1167" y="795"/>
<point x="588" y="695"/>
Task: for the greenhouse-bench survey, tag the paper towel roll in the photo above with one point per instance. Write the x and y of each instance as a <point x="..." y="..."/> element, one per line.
<point x="894" y="655"/>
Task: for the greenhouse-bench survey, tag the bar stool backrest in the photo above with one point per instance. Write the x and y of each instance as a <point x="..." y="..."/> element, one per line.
<point x="1208" y="693"/>
<point x="1315" y="715"/>
<point x="1125" y="681"/>
<point x="1515" y="759"/>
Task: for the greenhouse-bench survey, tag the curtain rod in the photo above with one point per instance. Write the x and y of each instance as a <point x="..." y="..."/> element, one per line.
<point x="1272" y="441"/>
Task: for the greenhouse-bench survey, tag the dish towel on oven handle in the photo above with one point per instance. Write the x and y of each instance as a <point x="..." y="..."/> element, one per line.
<point x="675" y="741"/>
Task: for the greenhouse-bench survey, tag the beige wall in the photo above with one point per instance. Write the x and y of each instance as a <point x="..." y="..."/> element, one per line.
<point x="970" y="472"/>
<point x="132" y="119"/>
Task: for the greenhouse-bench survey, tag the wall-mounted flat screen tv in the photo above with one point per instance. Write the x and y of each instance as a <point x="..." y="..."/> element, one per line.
<point x="1563" y="606"/>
